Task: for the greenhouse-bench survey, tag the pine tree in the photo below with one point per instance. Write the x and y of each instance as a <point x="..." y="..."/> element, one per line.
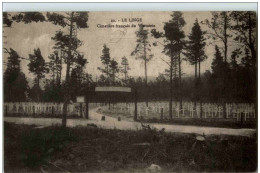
<point x="235" y="74"/>
<point x="195" y="55"/>
<point x="55" y="66"/>
<point x="173" y="46"/>
<point x="26" y="17"/>
<point x="69" y="43"/>
<point x="105" y="59"/>
<point x="15" y="83"/>
<point x="114" y="69"/>
<point x="142" y="51"/>
<point x="217" y="72"/>
<point x="245" y="29"/>
<point x="125" y="68"/>
<point x="221" y="26"/>
<point x="37" y="65"/>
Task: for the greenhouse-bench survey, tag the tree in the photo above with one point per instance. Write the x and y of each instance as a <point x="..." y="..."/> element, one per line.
<point x="105" y="59"/>
<point x="37" y="65"/>
<point x="26" y="17"/>
<point x="142" y="50"/>
<point x="195" y="55"/>
<point x="179" y="22"/>
<point x="77" y="75"/>
<point x="52" y="89"/>
<point x="15" y="83"/>
<point x="103" y="81"/>
<point x="221" y="26"/>
<point x="79" y="64"/>
<point x="7" y="22"/>
<point x="125" y="68"/>
<point x="70" y="43"/>
<point x="217" y="72"/>
<point x="235" y="74"/>
<point x="245" y="29"/>
<point x="217" y="63"/>
<point x="173" y="44"/>
<point x="114" y="69"/>
<point x="55" y="66"/>
<point x="75" y="83"/>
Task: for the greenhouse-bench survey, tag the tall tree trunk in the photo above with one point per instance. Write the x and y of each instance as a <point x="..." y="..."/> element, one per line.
<point x="38" y="94"/>
<point x="125" y="73"/>
<point x="253" y="54"/>
<point x="107" y="72"/>
<point x="170" y="103"/>
<point x="114" y="77"/>
<point x="195" y="87"/>
<point x="66" y="100"/>
<point x="61" y="56"/>
<point x="225" y="66"/>
<point x="199" y="87"/>
<point x="145" y="69"/>
<point x="180" y="83"/>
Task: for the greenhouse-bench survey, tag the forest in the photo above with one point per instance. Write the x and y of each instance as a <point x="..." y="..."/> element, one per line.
<point x="230" y="79"/>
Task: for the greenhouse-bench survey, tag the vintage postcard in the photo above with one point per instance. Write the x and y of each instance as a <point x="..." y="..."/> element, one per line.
<point x="151" y="91"/>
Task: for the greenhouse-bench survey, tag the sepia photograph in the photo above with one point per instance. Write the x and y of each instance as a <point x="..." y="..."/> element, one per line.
<point x="130" y="91"/>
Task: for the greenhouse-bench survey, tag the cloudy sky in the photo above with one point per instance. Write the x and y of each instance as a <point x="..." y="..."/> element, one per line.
<point x="24" y="38"/>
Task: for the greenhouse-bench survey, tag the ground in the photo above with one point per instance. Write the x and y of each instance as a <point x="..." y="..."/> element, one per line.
<point x="28" y="148"/>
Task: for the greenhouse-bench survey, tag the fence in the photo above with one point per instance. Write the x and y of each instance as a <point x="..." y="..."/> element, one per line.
<point x="37" y="109"/>
<point x="154" y="110"/>
<point x="189" y="110"/>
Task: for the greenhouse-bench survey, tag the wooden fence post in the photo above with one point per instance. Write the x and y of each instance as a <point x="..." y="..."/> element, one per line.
<point x="6" y="110"/>
<point x="135" y="99"/>
<point x="80" y="109"/>
<point x="86" y="116"/>
<point x="161" y="113"/>
<point x="33" y="111"/>
<point x="52" y="110"/>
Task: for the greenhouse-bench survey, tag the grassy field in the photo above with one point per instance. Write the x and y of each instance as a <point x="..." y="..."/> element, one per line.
<point x="91" y="149"/>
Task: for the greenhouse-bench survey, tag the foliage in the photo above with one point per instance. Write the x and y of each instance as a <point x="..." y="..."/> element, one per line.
<point x="15" y="83"/>
<point x="33" y="146"/>
<point x="79" y="18"/>
<point x="105" y="59"/>
<point x="220" y="25"/>
<point x="37" y="65"/>
<point x="55" y="66"/>
<point x="26" y="17"/>
<point x="125" y="68"/>
<point x="245" y="29"/>
<point x="195" y="46"/>
<point x="116" y="150"/>
<point x="69" y="44"/>
<point x="114" y="69"/>
<point x="142" y="45"/>
<point x="52" y="92"/>
<point x="143" y="50"/>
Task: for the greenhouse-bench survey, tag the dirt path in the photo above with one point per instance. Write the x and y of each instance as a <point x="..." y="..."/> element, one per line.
<point x="111" y="123"/>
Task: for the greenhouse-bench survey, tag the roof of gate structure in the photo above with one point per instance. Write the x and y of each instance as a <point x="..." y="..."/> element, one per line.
<point x="113" y="89"/>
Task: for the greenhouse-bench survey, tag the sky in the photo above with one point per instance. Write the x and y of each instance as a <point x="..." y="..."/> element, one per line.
<point x="24" y="38"/>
